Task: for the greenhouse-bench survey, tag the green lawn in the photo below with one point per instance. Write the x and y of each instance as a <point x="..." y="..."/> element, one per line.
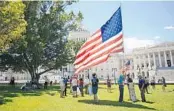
<point x="48" y="100"/>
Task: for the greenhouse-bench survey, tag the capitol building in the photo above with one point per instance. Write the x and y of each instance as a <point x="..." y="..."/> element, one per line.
<point x="152" y="61"/>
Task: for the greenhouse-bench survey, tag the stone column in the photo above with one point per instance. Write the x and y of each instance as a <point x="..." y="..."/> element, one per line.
<point x="165" y="60"/>
<point x="159" y="56"/>
<point x="149" y="60"/>
<point x="154" y="60"/>
<point x="144" y="61"/>
<point x="171" y="58"/>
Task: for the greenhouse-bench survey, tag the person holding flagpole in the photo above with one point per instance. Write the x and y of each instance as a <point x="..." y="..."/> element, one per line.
<point x="97" y="49"/>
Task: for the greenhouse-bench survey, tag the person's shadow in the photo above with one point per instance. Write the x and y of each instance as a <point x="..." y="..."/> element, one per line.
<point x="116" y="103"/>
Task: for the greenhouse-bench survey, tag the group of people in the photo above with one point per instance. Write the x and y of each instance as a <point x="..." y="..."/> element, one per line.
<point x="77" y="86"/>
<point x="143" y="84"/>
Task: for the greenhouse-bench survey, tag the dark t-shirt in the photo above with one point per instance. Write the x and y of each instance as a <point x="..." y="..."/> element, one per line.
<point x="141" y="82"/>
<point x="95" y="82"/>
<point x="129" y="80"/>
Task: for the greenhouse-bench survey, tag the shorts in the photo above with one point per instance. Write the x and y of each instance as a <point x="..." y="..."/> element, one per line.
<point x="74" y="88"/>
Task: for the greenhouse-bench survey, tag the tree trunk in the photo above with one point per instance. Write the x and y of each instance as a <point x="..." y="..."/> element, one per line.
<point x="35" y="78"/>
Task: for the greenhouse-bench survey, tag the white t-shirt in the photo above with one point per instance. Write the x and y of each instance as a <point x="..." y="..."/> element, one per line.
<point x="62" y="82"/>
<point x="74" y="82"/>
<point x="86" y="82"/>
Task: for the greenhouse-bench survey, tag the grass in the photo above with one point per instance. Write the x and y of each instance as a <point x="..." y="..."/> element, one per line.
<point x="13" y="99"/>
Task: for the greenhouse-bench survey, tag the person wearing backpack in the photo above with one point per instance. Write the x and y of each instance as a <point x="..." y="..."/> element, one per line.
<point x="95" y="86"/>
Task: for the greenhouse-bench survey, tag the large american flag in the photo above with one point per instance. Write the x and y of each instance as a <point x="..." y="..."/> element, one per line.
<point x="108" y="39"/>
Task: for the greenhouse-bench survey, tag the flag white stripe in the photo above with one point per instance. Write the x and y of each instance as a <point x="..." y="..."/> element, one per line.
<point x="99" y="52"/>
<point x="97" y="47"/>
<point x="92" y="44"/>
<point x="88" y="41"/>
<point x="95" y="61"/>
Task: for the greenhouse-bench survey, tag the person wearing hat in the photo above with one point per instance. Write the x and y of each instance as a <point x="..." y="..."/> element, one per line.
<point x="95" y="86"/>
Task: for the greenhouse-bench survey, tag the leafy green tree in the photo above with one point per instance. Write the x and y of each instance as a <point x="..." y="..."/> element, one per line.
<point x="12" y="22"/>
<point x="74" y="47"/>
<point x="44" y="43"/>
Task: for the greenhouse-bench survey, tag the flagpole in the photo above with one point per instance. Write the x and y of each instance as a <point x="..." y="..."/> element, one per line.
<point x="123" y="36"/>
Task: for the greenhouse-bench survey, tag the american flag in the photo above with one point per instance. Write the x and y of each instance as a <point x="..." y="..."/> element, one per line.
<point x="108" y="39"/>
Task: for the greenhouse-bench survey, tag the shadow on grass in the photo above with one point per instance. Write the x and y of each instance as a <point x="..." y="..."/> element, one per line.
<point x="4" y="100"/>
<point x="8" y="92"/>
<point x="115" y="103"/>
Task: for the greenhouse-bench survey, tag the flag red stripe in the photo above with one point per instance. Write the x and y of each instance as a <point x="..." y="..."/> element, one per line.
<point x="85" y="53"/>
<point x="101" y="47"/>
<point x="98" y="49"/>
<point x="105" y="57"/>
<point x="97" y="61"/>
<point x="85" y="50"/>
<point x="90" y="41"/>
<point x="96" y="55"/>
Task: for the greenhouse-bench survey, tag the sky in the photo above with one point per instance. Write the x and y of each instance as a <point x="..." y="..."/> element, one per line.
<point x="144" y="23"/>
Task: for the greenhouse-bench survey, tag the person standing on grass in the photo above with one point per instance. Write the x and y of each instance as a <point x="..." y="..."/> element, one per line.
<point x="109" y="85"/>
<point x="81" y="83"/>
<point x="146" y="85"/>
<point x="66" y="84"/>
<point x="46" y="82"/>
<point x="163" y="84"/>
<point x="121" y="86"/>
<point x="142" y="88"/>
<point x="95" y="82"/>
<point x="153" y="83"/>
<point x="86" y="84"/>
<point x="62" y="88"/>
<point x="74" y="86"/>
<point x="70" y="82"/>
<point x="12" y="81"/>
<point x="131" y="89"/>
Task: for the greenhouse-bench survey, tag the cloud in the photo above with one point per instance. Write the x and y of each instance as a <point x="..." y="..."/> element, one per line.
<point x="157" y="37"/>
<point x="133" y="42"/>
<point x="169" y="27"/>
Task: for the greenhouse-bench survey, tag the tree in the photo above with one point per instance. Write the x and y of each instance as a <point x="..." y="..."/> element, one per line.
<point x="44" y="43"/>
<point x="74" y="47"/>
<point x="12" y="23"/>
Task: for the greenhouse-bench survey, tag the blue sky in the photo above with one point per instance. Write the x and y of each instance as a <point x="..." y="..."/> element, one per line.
<point x="145" y="23"/>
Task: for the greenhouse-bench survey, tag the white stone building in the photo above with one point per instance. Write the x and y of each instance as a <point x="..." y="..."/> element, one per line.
<point x="157" y="60"/>
<point x="154" y="60"/>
